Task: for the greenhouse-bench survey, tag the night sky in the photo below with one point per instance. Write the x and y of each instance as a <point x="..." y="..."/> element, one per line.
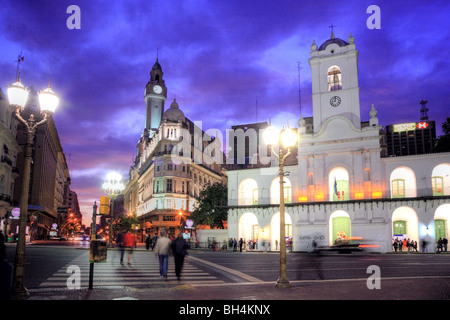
<point x="227" y="62"/>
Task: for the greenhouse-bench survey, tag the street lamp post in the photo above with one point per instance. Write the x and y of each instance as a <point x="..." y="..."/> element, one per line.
<point x="288" y="139"/>
<point x="112" y="187"/>
<point x="48" y="102"/>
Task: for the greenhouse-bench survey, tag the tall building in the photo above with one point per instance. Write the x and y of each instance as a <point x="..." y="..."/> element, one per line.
<point x="8" y="161"/>
<point x="406" y="139"/>
<point x="175" y="160"/>
<point x="342" y="184"/>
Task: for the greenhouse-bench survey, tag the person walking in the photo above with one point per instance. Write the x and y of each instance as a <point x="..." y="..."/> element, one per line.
<point x="119" y="242"/>
<point x="395" y="245"/>
<point x="148" y="241"/>
<point x="129" y="242"/>
<point x="444" y="244"/>
<point x="162" y="252"/>
<point x="241" y="242"/>
<point x="179" y="247"/>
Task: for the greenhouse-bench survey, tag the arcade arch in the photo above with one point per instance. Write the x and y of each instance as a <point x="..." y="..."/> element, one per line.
<point x="403" y="183"/>
<point x="274" y="236"/>
<point x="248" y="192"/>
<point x="275" y="191"/>
<point x="339" y="226"/>
<point x="248" y="226"/>
<point x="440" y="180"/>
<point x="441" y="221"/>
<point x="405" y="224"/>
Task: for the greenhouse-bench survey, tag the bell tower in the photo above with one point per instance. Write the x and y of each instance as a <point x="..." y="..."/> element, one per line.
<point x="155" y="97"/>
<point x="335" y="89"/>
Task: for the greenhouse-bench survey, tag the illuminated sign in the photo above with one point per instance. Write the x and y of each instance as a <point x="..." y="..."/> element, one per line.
<point x="404" y="127"/>
<point x="410" y="126"/>
<point x="422" y="125"/>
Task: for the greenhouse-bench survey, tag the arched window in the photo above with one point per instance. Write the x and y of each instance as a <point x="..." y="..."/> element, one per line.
<point x="334" y="78"/>
<point x="403" y="183"/>
<point x="275" y="191"/>
<point x="338" y="185"/>
<point x="248" y="192"/>
<point x="440" y="180"/>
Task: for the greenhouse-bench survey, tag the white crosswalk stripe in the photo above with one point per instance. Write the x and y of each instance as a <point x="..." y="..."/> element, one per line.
<point x="143" y="271"/>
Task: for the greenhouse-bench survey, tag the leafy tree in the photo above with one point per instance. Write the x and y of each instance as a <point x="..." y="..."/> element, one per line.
<point x="125" y="223"/>
<point x="443" y="142"/>
<point x="211" y="206"/>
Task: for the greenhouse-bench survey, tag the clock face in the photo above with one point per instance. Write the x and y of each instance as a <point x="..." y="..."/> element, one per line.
<point x="335" y="101"/>
<point x="157" y="89"/>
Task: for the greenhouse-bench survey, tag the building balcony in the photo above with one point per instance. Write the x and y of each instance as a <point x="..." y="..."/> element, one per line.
<point x="5" y="160"/>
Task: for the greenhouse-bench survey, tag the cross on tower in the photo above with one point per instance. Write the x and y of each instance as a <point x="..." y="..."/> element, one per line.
<point x="332" y="29"/>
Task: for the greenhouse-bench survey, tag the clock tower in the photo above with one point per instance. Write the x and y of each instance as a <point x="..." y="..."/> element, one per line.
<point x="335" y="89"/>
<point x="155" y="97"/>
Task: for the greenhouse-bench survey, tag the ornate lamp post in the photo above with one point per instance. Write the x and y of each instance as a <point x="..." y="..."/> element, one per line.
<point x="288" y="139"/>
<point x="112" y="187"/>
<point x="48" y="102"/>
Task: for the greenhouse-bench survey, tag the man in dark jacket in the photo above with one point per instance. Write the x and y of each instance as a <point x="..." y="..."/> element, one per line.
<point x="179" y="247"/>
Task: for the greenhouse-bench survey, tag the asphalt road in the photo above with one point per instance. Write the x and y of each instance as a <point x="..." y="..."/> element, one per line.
<point x="45" y="260"/>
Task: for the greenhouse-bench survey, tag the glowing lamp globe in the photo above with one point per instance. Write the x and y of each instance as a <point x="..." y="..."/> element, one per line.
<point x="288" y="138"/>
<point x="271" y="135"/>
<point x="48" y="100"/>
<point x="17" y="94"/>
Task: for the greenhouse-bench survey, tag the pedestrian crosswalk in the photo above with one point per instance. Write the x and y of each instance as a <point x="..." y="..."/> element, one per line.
<point x="142" y="272"/>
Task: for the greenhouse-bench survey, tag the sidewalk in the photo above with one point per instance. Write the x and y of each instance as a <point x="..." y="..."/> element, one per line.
<point x="409" y="288"/>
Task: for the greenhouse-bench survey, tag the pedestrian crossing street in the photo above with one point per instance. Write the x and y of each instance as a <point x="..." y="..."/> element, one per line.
<point x="143" y="272"/>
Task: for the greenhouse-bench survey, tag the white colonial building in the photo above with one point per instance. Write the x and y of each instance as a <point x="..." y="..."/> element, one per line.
<point x="342" y="184"/>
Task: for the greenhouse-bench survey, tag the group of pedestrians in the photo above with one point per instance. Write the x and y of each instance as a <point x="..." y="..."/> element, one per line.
<point x="408" y="245"/>
<point x="442" y="244"/>
<point x="162" y="247"/>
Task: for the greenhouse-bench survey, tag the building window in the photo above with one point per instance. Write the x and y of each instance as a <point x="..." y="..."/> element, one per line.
<point x="169" y="185"/>
<point x="255" y="232"/>
<point x="334" y="78"/>
<point x="255" y="196"/>
<point x="437" y="184"/>
<point x="398" y="188"/>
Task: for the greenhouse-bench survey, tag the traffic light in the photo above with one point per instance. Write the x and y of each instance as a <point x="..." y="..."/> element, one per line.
<point x="104" y="205"/>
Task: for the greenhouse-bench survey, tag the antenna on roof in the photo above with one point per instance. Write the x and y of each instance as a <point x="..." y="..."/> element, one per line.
<point x="299" y="88"/>
<point x="256" y="108"/>
<point x="424" y="110"/>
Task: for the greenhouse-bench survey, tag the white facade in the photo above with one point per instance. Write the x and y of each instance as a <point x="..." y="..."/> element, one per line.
<point x="341" y="185"/>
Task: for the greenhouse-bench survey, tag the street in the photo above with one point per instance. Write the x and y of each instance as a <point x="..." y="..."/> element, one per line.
<point x="47" y="266"/>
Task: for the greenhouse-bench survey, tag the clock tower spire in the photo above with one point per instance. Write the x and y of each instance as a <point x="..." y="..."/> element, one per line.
<point x="335" y="89"/>
<point x="155" y="97"/>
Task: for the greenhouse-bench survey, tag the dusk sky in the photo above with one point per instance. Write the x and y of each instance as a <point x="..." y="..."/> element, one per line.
<point x="227" y="62"/>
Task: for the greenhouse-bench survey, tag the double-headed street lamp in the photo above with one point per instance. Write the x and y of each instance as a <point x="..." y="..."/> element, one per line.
<point x="288" y="139"/>
<point x="113" y="187"/>
<point x="48" y="101"/>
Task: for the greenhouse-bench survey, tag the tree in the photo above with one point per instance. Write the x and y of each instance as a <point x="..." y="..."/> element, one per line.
<point x="211" y="206"/>
<point x="443" y="142"/>
<point x="125" y="223"/>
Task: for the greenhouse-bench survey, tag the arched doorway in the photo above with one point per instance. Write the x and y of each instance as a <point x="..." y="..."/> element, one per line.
<point x="339" y="226"/>
<point x="405" y="224"/>
<point x="248" y="227"/>
<point x="275" y="230"/>
<point x="441" y="221"/>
